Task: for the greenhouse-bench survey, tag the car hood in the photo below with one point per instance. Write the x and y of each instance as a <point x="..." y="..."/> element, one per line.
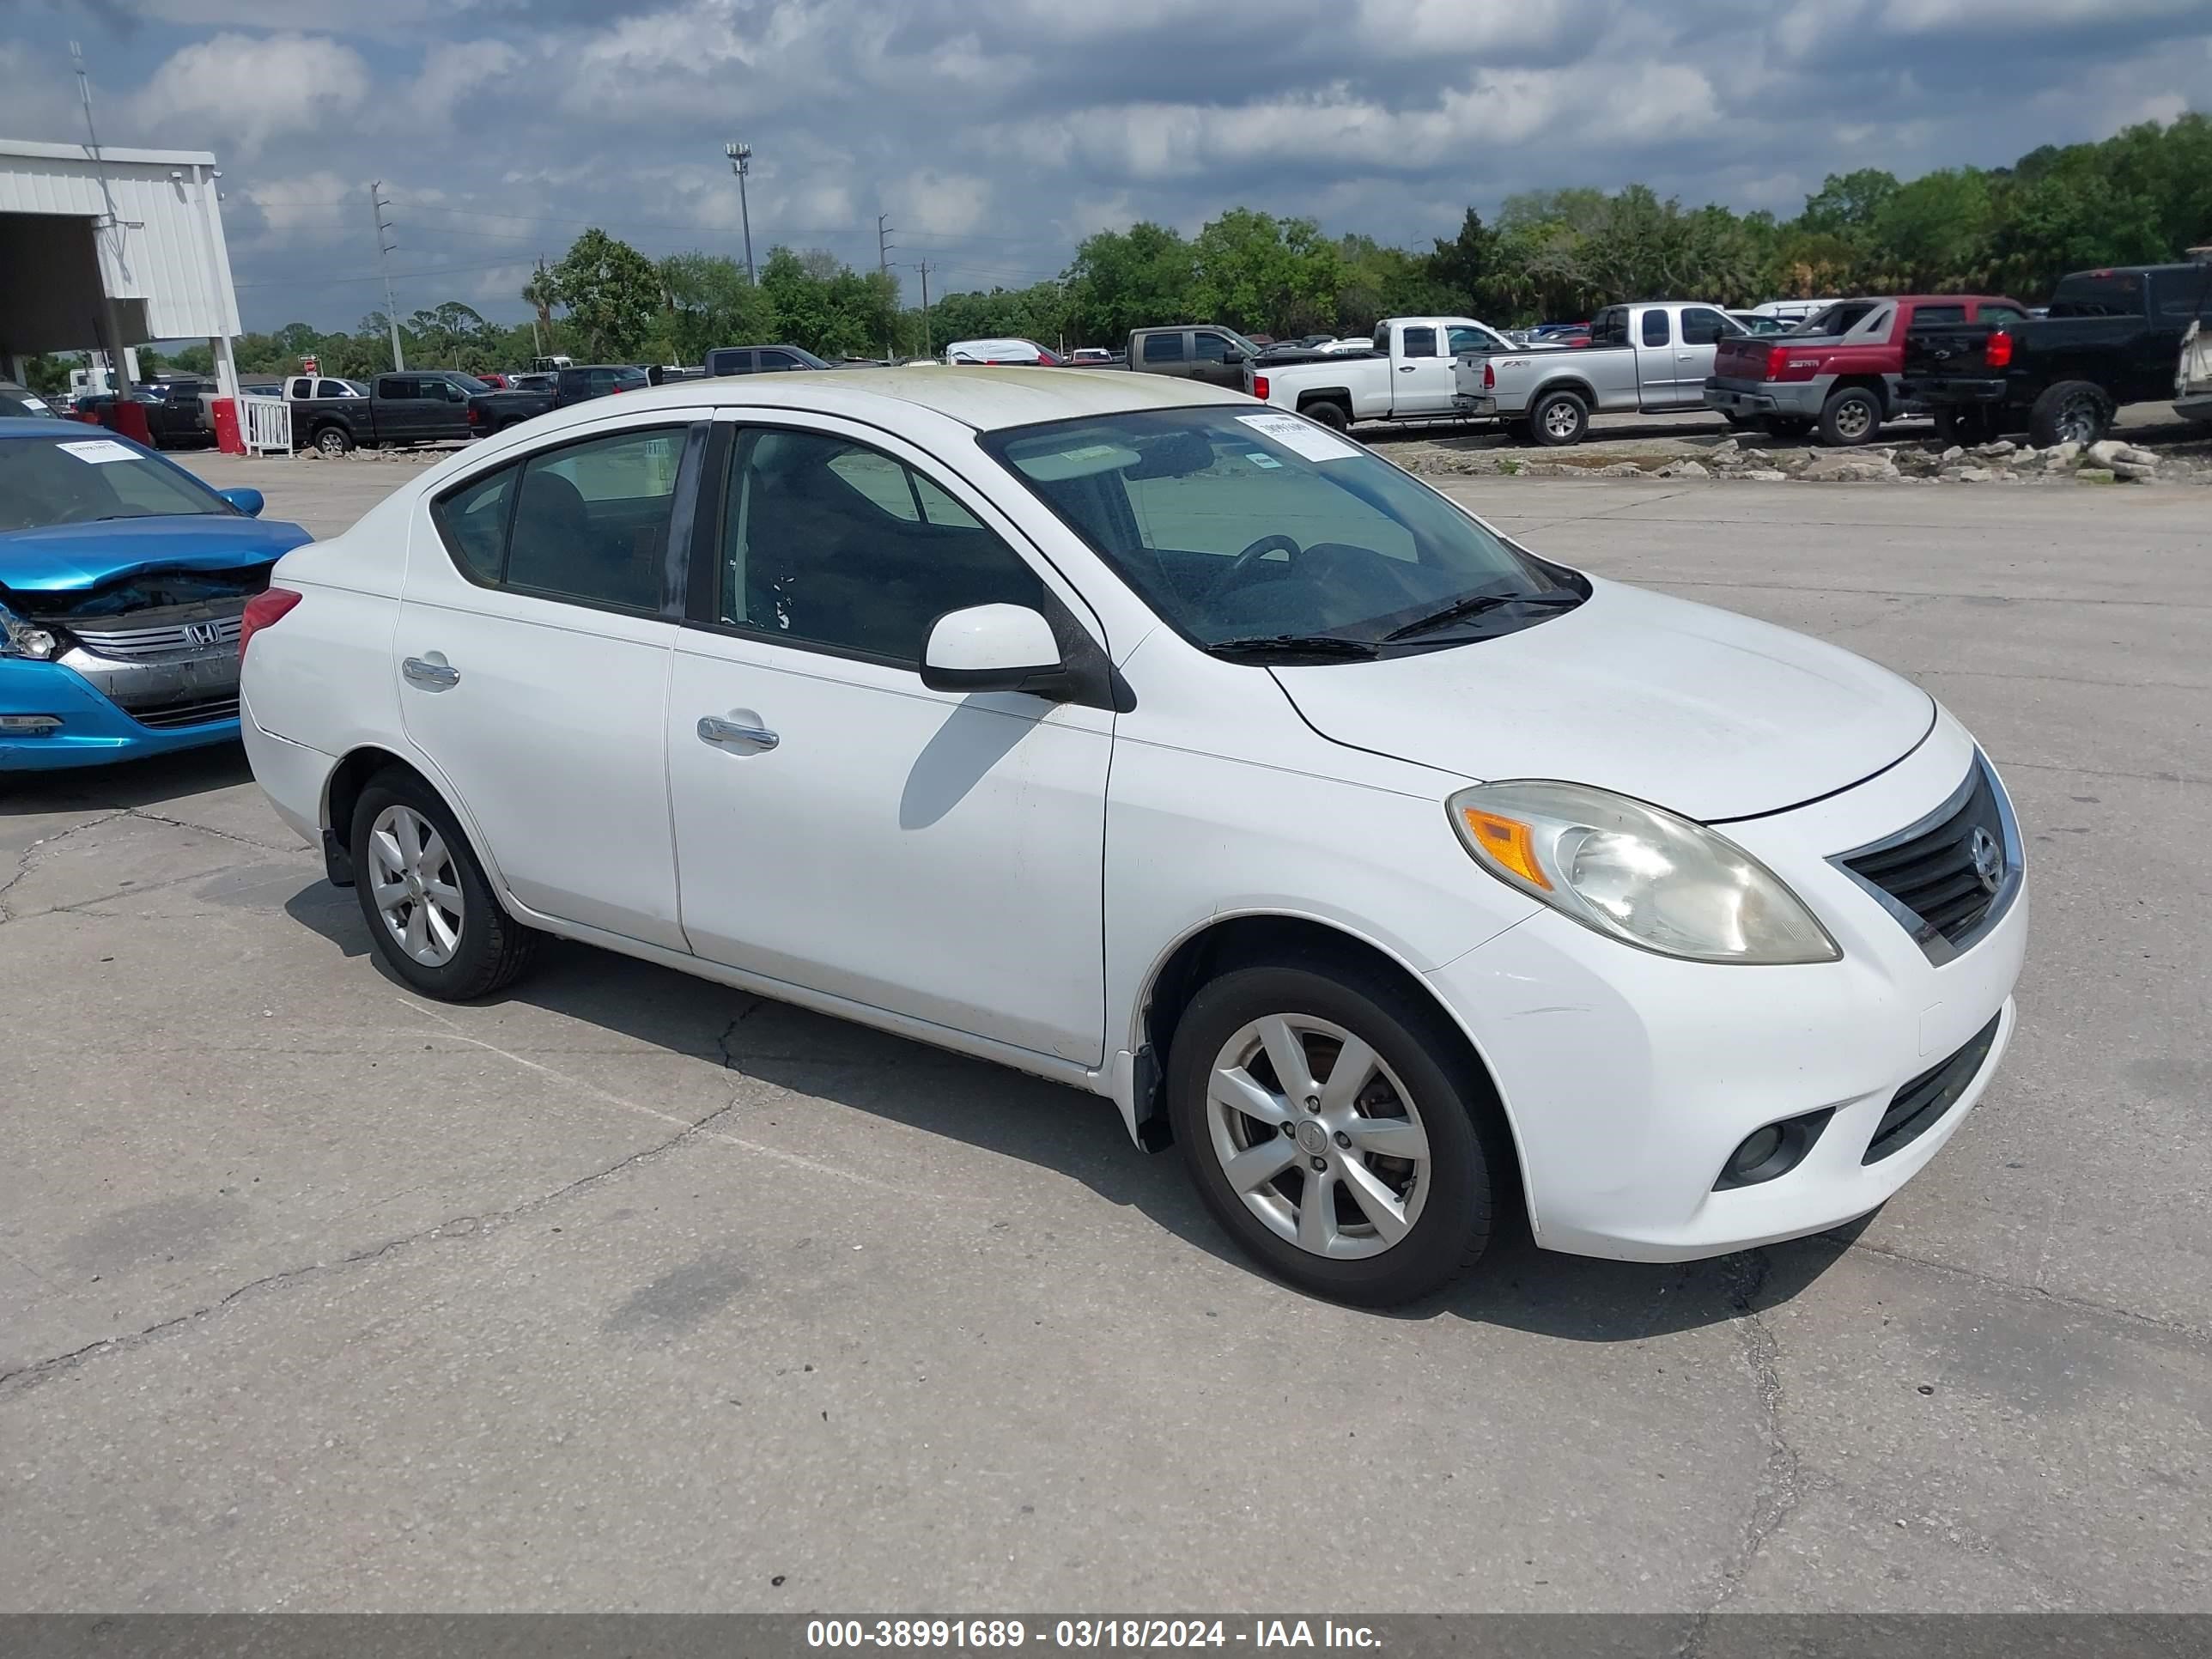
<point x="70" y="558"/>
<point x="1709" y="714"/>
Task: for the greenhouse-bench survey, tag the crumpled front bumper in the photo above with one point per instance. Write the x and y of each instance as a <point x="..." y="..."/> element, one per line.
<point x="86" y="696"/>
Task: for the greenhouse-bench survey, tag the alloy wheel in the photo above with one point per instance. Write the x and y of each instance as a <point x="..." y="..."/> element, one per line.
<point x="1560" y="419"/>
<point x="416" y="886"/>
<point x="1317" y="1136"/>
<point x="2078" y="420"/>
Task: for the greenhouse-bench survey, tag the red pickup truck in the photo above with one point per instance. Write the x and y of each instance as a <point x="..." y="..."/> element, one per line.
<point x="1842" y="368"/>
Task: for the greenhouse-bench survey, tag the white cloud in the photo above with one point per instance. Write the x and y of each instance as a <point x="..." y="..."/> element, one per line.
<point x="235" y="93"/>
<point x="941" y="203"/>
<point x="455" y="74"/>
<point x="313" y="207"/>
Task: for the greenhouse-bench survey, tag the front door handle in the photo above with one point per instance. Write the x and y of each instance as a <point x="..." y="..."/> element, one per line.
<point x="436" y="676"/>
<point x="1405" y="368"/>
<point x="717" y="730"/>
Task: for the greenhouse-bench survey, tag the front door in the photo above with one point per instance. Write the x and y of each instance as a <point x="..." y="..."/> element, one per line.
<point x="1656" y="386"/>
<point x="535" y="631"/>
<point x="838" y="825"/>
<point x="1421" y="379"/>
<point x="1210" y="361"/>
<point x="1702" y="329"/>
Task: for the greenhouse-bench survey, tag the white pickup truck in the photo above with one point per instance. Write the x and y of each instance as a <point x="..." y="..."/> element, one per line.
<point x="1642" y="359"/>
<point x="1406" y="376"/>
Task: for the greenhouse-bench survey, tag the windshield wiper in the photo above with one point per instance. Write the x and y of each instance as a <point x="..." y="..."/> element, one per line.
<point x="1473" y="605"/>
<point x="1290" y="645"/>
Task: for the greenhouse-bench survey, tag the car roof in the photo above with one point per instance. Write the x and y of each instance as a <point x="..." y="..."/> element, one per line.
<point x="46" y="425"/>
<point x="987" y="400"/>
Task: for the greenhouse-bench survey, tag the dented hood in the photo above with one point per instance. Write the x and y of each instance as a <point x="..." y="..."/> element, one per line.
<point x="74" y="557"/>
<point x="1709" y="714"/>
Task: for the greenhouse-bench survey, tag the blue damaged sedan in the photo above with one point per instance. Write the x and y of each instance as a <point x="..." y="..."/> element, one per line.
<point x="122" y="580"/>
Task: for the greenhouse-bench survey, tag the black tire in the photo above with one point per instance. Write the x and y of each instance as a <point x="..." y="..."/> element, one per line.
<point x="1784" y="425"/>
<point x="1740" y="422"/>
<point x="1518" y="433"/>
<point x="2069" y="411"/>
<point x="1457" y="1109"/>
<point x="1334" y="415"/>
<point x="493" y="949"/>
<point x="1850" y="417"/>
<point x="1558" y="419"/>
<point x="1965" y="424"/>
<point x="332" y="441"/>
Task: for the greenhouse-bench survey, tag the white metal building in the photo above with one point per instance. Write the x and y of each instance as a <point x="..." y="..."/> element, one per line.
<point x="109" y="249"/>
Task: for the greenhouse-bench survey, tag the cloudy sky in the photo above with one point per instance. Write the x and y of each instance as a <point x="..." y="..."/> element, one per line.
<point x="997" y="133"/>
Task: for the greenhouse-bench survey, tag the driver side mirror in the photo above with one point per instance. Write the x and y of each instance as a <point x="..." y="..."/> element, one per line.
<point x="1232" y="356"/>
<point x="248" y="502"/>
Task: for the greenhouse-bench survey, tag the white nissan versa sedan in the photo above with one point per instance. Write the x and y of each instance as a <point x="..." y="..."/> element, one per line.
<point x="1132" y="733"/>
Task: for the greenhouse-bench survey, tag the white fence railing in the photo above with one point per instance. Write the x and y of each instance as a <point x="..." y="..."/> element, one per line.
<point x="266" y="424"/>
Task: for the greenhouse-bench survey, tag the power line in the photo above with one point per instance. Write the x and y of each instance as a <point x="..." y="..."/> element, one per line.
<point x="377" y="204"/>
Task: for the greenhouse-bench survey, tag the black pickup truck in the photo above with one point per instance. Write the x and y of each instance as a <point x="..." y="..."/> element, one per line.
<point x="421" y="406"/>
<point x="2111" y="338"/>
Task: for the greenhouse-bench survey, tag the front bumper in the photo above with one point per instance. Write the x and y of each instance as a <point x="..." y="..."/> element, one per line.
<point x="197" y="709"/>
<point x="1797" y="399"/>
<point x="1629" y="1078"/>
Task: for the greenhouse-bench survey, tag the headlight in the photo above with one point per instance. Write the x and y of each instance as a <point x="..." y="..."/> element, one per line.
<point x="21" y="639"/>
<point x="1641" y="875"/>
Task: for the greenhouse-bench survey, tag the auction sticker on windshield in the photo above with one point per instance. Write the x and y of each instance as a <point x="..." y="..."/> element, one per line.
<point x="1301" y="437"/>
<point x="96" y="451"/>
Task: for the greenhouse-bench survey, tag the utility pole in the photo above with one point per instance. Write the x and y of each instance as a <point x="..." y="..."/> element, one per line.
<point x="928" y="346"/>
<point x="883" y="246"/>
<point x="377" y="204"/>
<point x="741" y="163"/>
<point x="118" y="367"/>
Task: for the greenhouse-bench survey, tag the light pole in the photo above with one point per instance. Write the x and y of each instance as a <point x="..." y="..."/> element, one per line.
<point x="741" y="163"/>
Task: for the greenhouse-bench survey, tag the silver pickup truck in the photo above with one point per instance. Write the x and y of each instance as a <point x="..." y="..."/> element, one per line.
<point x="1642" y="359"/>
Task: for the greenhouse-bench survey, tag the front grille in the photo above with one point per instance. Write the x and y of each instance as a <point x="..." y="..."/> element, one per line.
<point x="1921" y="1104"/>
<point x="186" y="713"/>
<point x="143" y="644"/>
<point x="1947" y="877"/>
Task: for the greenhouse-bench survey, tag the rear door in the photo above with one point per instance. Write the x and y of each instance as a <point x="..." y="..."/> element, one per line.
<point x="534" y="638"/>
<point x="403" y="409"/>
<point x="1165" y="351"/>
<point x="1421" y="381"/>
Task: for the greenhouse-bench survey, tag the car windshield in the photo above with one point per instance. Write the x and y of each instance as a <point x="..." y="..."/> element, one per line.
<point x="1243" y="527"/>
<point x="49" y="481"/>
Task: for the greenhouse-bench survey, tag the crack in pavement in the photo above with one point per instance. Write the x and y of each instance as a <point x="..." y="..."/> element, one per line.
<point x="2196" y="1335"/>
<point x="730" y="1031"/>
<point x="28" y="859"/>
<point x="23" y="1378"/>
<point x="1781" y="1480"/>
<point x="209" y="829"/>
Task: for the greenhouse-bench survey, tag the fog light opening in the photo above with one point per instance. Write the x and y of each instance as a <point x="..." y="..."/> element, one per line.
<point x="29" y="725"/>
<point x="1773" y="1151"/>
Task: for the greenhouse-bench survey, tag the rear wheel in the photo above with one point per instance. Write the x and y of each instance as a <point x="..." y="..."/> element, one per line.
<point x="431" y="912"/>
<point x="1740" y="422"/>
<point x="1785" y="426"/>
<point x="1559" y="418"/>
<point x="1332" y="416"/>
<point x="1850" y="417"/>
<point x="1337" y="1129"/>
<point x="2069" y="412"/>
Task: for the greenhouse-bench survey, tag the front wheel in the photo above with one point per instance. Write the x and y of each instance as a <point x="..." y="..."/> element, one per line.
<point x="1559" y="418"/>
<point x="431" y="913"/>
<point x="1334" y="1126"/>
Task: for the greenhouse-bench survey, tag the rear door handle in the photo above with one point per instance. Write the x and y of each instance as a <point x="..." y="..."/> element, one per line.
<point x="718" y="732"/>
<point x="434" y="675"/>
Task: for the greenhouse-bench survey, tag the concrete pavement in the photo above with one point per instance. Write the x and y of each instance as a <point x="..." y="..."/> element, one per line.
<point x="625" y="1290"/>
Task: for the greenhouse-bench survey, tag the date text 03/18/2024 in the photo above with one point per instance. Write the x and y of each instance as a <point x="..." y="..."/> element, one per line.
<point x="959" y="1634"/>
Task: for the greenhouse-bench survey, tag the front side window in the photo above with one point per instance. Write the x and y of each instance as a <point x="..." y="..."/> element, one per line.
<point x="1703" y="326"/>
<point x="327" y="389"/>
<point x="828" y="543"/>
<point x="773" y="360"/>
<point x="1211" y="348"/>
<point x="1245" y="527"/>
<point x="1654" y="328"/>
<point x="1997" y="313"/>
<point x="1164" y="347"/>
<point x="1420" y="343"/>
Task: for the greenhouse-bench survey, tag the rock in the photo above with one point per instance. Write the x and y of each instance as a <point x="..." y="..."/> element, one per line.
<point x="1951" y="454"/>
<point x="1997" y="451"/>
<point x="2061" y="456"/>
<point x="1968" y="474"/>
<point x="1847" y="468"/>
<point x="2133" y="472"/>
<point x="2024" y="460"/>
<point x="1684" y="470"/>
<point x="2096" y="475"/>
<point x="1726" y="449"/>
<point x="1763" y="475"/>
<point x="2105" y="451"/>
<point x="1617" y="470"/>
<point x="2134" y="457"/>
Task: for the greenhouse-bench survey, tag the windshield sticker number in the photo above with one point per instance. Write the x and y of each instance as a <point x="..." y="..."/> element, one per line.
<point x="95" y="452"/>
<point x="1261" y="458"/>
<point x="1301" y="437"/>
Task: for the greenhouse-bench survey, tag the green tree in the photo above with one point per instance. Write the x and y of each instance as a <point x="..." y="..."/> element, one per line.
<point x="612" y="295"/>
<point x="1847" y="204"/>
<point x="710" y="302"/>
<point x="1261" y="274"/>
<point x="1125" y="279"/>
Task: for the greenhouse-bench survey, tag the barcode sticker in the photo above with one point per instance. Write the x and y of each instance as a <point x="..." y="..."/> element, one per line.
<point x="1301" y="437"/>
<point x="96" y="451"/>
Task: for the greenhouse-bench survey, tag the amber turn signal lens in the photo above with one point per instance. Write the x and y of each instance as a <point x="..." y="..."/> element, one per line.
<point x="1507" y="841"/>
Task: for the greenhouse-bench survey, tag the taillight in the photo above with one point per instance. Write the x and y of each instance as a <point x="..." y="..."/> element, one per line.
<point x="261" y="610"/>
<point x="1777" y="357"/>
<point x="1996" y="352"/>
<point x="475" y="416"/>
<point x="1489" y="376"/>
<point x="1260" y="387"/>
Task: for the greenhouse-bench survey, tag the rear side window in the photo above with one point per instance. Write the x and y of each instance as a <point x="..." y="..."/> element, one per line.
<point x="591" y="520"/>
<point x="1936" y="316"/>
<point x="1610" y="327"/>
<point x="1656" y="331"/>
<point x="472" y="523"/>
<point x="301" y="389"/>
<point x="396" y="386"/>
<point x="729" y="360"/>
<point x="1999" y="314"/>
<point x="1703" y="326"/>
<point x="1164" y="347"/>
<point x="1459" y="341"/>
<point x="1420" y="343"/>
